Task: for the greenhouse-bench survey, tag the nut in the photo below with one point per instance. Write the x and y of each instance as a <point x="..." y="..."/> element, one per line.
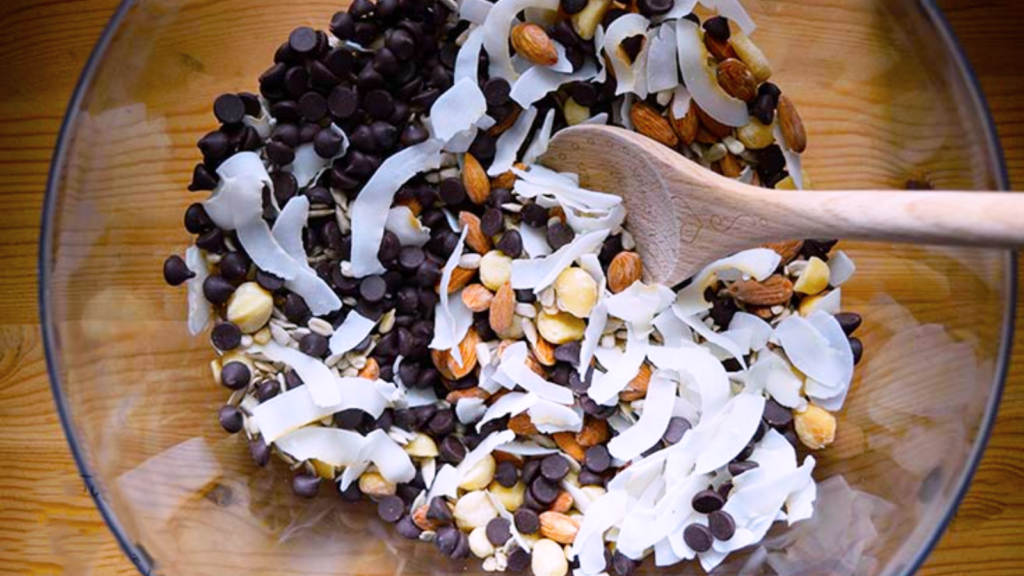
<point x="751" y="55"/>
<point x="548" y="558"/>
<point x="510" y="120"/>
<point x="421" y="446"/>
<point x="810" y="304"/>
<point x="412" y="203"/>
<point x="755" y="135"/>
<point x="250" y="307"/>
<point x="474" y="509"/>
<point x="730" y="166"/>
<point x="446" y="364"/>
<point x="575" y="292"/>
<point x="477" y="297"/>
<point x="522" y="425"/>
<point x="716" y="129"/>
<point x="533" y="43"/>
<point x="475" y="392"/>
<point x="535" y="366"/>
<point x="474" y="178"/>
<point x="560" y="328"/>
<point x="792" y="126"/>
<point x="503" y="180"/>
<point x="371" y="371"/>
<point x="594" y="432"/>
<point x="374" y="485"/>
<point x="815" y="427"/>
<point x="495" y="269"/>
<point x="813" y="278"/>
<point x="787" y="249"/>
<point x="479" y="545"/>
<point x="585" y="21"/>
<point x="719" y="49"/>
<point x="575" y="113"/>
<point x="687" y="126"/>
<point x="480" y="475"/>
<point x="544" y="352"/>
<point x="502" y="311"/>
<point x="762" y="312"/>
<point x="652" y="124"/>
<point x="460" y="277"/>
<point x="637" y="387"/>
<point x="567" y="443"/>
<point x="262" y="336"/>
<point x="419" y="518"/>
<point x="510" y="498"/>
<point x="563" y="503"/>
<point x="625" y="269"/>
<point x="558" y="527"/>
<point x="475" y="238"/>
<point x="776" y="289"/>
<point x="737" y="80"/>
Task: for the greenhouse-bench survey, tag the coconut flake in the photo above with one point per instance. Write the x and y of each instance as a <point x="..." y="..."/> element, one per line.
<point x="758" y="263"/>
<point x="319" y="379"/>
<point x="510" y="404"/>
<point x="539" y="145"/>
<point x="818" y="347"/>
<point x="497" y="28"/>
<point x="538" y="273"/>
<point x="535" y="243"/>
<point x="563" y="64"/>
<point x="639" y="304"/>
<point x="830" y="303"/>
<point x="538" y="81"/>
<point x="726" y="433"/>
<point x="600" y="119"/>
<point x="772" y="374"/>
<point x="653" y="422"/>
<point x="369" y="211"/>
<point x="716" y="338"/>
<point x="679" y="9"/>
<point x="199" y="309"/>
<point x="458" y="109"/>
<point x="238" y="196"/>
<point x="503" y="512"/>
<point x="474" y="11"/>
<point x="662" y="67"/>
<point x="624" y="27"/>
<point x="546" y="185"/>
<point x="485" y="447"/>
<point x="673" y="331"/>
<point x="403" y="223"/>
<point x="447" y="328"/>
<point x="699" y="370"/>
<point x="446" y="483"/>
<point x="525" y="449"/>
<point x="680" y="102"/>
<point x="390" y="459"/>
<point x="508" y="144"/>
<point x="601" y="515"/>
<point x="332" y="446"/>
<point x="351" y="333"/>
<point x="701" y="81"/>
<point x="734" y="11"/>
<point x="592" y="336"/>
<point x="841" y="268"/>
<point x="295" y="408"/>
<point x="469" y="410"/>
<point x="513" y="367"/>
<point x="550" y="417"/>
<point x="760" y="331"/>
<point x="287" y="232"/>
<point x="606" y="387"/>
<point x="793" y="164"/>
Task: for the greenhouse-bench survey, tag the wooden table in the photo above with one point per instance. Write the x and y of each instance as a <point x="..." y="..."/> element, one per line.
<point x="48" y="524"/>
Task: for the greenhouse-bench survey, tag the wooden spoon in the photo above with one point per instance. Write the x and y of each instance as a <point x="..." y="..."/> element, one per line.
<point x="684" y="216"/>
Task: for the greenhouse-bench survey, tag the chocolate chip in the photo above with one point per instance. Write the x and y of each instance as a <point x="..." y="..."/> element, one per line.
<point x="722" y="525"/>
<point x="379" y="104"/>
<point x="597" y="459"/>
<point x="438" y="510"/>
<point x="554" y="468"/>
<point x="251" y="102"/>
<point x="511" y="243"/>
<point x="447" y="537"/>
<point x="707" y="501"/>
<point x="361" y="8"/>
<point x="390" y="509"/>
<point x="410" y="258"/>
<point x="764" y="108"/>
<point x="534" y="215"/>
<point x="280" y="153"/>
<point x="176" y="271"/>
<point x="250" y="141"/>
<point x="698" y="537"/>
<point x="234" y="266"/>
<point x="718" y="28"/>
<point x="776" y="415"/>
<point x="858" y="350"/>
<point x="632" y="45"/>
<point x="497" y="91"/>
<point x="401" y="43"/>
<point x="527" y="521"/>
<point x="259" y="451"/>
<point x="217" y="289"/>
<point x="372" y="288"/>
<point x="343" y="102"/>
<point x="267" y="390"/>
<point x="588" y="478"/>
<point x="579" y="385"/>
<point x="196" y="219"/>
<point x="452" y="450"/>
<point x="390" y="246"/>
<point x="349" y="419"/>
<point x="724" y="489"/>
<point x="452" y="191"/>
<point x="295" y="309"/>
<point x="498" y="531"/>
<point x="483" y="147"/>
<point x="313" y="106"/>
<point x="305" y="485"/>
<point x="559" y="234"/>
<point x="212" y="241"/>
<point x="623" y="565"/>
<point x="518" y="560"/>
<point x="229" y="109"/>
<point x="596" y="410"/>
<point x="327" y="143"/>
<point x="313" y="344"/>
<point x="762" y="429"/>
<point x="848" y="321"/>
<point x="407" y="528"/>
<point x="746" y="452"/>
<point x="572" y="6"/>
<point x="462" y="547"/>
<point x="492" y="222"/>
<point x="543" y="489"/>
<point x="413" y="134"/>
<point x="441" y="423"/>
<point x="230" y="418"/>
<point x="234" y="375"/>
<point x="506" y="474"/>
<point x="737" y="468"/>
<point x="677" y="426"/>
<point x="366" y="33"/>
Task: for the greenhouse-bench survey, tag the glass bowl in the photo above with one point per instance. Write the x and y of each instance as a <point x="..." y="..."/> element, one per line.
<point x="887" y="98"/>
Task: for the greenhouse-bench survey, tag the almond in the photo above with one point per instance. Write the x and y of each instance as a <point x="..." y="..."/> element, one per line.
<point x="371" y="371"/>
<point x="563" y="503"/>
<point x="716" y="128"/>
<point x="706" y="137"/>
<point x="460" y="278"/>
<point x="687" y="126"/>
<point x="776" y="289"/>
<point x="719" y="49"/>
<point x="475" y="392"/>
<point x="558" y="527"/>
<point x="567" y="442"/>
<point x="762" y="312"/>
<point x="506" y="123"/>
<point x="500" y="457"/>
<point x="522" y="425"/>
<point x="419" y="518"/>
<point x="446" y="364"/>
<point x="477" y="297"/>
<point x="787" y="249"/>
<point x="650" y="123"/>
<point x="625" y="269"/>
<point x="737" y="80"/>
<point x="497" y="396"/>
<point x="503" y="307"/>
<point x="594" y="432"/>
<point x="474" y="178"/>
<point x="475" y="238"/>
<point x="544" y="351"/>
<point x="412" y="204"/>
<point x="504" y="180"/>
<point x="533" y="43"/>
<point x="792" y="126"/>
<point x="637" y="387"/>
<point x="730" y="166"/>
<point x="535" y="366"/>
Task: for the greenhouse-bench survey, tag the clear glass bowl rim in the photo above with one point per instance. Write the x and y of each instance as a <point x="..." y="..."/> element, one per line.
<point x="141" y="560"/>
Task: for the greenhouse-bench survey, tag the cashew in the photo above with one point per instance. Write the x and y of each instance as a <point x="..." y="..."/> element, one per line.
<point x="576" y="292"/>
<point x="474" y="509"/>
<point x="560" y="328"/>
<point x="250" y="307"/>
<point x="495" y="269"/>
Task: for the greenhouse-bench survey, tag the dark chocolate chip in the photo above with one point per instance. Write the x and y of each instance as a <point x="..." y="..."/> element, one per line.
<point x="379" y="104"/>
<point x="197" y="220"/>
<point x="217" y="289"/>
<point x="327" y="143"/>
<point x="234" y="266"/>
<point x="849" y="322"/>
<point x="572" y="6"/>
<point x="447" y="537"/>
<point x="212" y="241"/>
<point x="305" y="485"/>
<point x="498" y="531"/>
<point x="390" y="246"/>
<point x="413" y="134"/>
<point x="295" y="309"/>
<point x="407" y="528"/>
<point x="313" y="344"/>
<point x="410" y="258"/>
<point x="764" y="108"/>
<point x="544" y="490"/>
<point x="452" y="191"/>
<point x="588" y="478"/>
<point x="349" y="419"/>
<point x="858" y="349"/>
<point x="497" y="91"/>
<point x="361" y="8"/>
<point x="632" y="45"/>
<point x="267" y="390"/>
<point x="724" y="489"/>
<point x="313" y="106"/>
<point x="718" y="28"/>
<point x="390" y="509"/>
<point x="559" y="234"/>
<point x="527" y="521"/>
<point x="518" y="560"/>
<point x="777" y="415"/>
<point x="623" y="565"/>
<point x="176" y="271"/>
<point x="343" y="102"/>
<point x="534" y="215"/>
<point x="707" y="501"/>
<point x="234" y="375"/>
<point x="506" y="474"/>
<point x="452" y="450"/>
<point x="441" y="423"/>
<point x="251" y="103"/>
<point x="568" y="353"/>
<point x="401" y="43"/>
<point x="677" y="426"/>
<point x="698" y="537"/>
<point x="438" y="510"/>
<point x="511" y="243"/>
<point x="280" y="153"/>
<point x="230" y="418"/>
<point x="492" y="222"/>
<point x="259" y="451"/>
<point x="229" y="109"/>
<point x="737" y="468"/>
<point x="722" y="525"/>
<point x="597" y="459"/>
<point x="372" y="288"/>
<point x="554" y="467"/>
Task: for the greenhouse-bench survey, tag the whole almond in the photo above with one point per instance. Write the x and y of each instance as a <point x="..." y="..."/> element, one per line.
<point x="371" y="371"/>
<point x="558" y="527"/>
<point x="687" y="126"/>
<point x="719" y="49"/>
<point x="419" y="518"/>
<point x="502" y="311"/>
<point x="474" y="178"/>
<point x="474" y="392"/>
<point x="446" y="364"/>
<point x="716" y="128"/>
<point x="637" y="387"/>
<point x="477" y="297"/>
<point x="706" y="137"/>
<point x="535" y="366"/>
<point x="787" y="249"/>
<point x="522" y="425"/>
<point x="504" y="180"/>
<point x="568" y="444"/>
<point x="736" y="79"/>
<point x="460" y="278"/>
<point x="506" y="122"/>
<point x="563" y="503"/>
<point x="792" y="126"/>
<point x="544" y="351"/>
<point x="730" y="166"/>
<point x="776" y="289"/>
<point x="652" y="124"/>
<point x="625" y="269"/>
<point x="594" y="432"/>
<point x="533" y="43"/>
<point x="475" y="238"/>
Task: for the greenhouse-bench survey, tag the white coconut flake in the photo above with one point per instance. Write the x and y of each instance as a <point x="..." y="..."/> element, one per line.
<point x="758" y="263"/>
<point x="698" y="370"/>
<point x="818" y="347"/>
<point x="716" y="338"/>
<point x="830" y="303"/>
<point x="199" y="309"/>
<point x="600" y="119"/>
<point x="513" y="366"/>
<point x="539" y="182"/>
<point x="680" y="102"/>
<point x="701" y="81"/>
<point x="760" y="330"/>
<point x="841" y="268"/>
<point x="733" y="10"/>
<point x="507" y="147"/>
<point x="538" y="81"/>
<point x="332" y="446"/>
<point x="469" y="410"/>
<point x="446" y="327"/>
<point x="662" y="66"/>
<point x="319" y="379"/>
<point x="679" y="9"/>
<point x="653" y="422"/>
<point x="535" y="242"/>
<point x="601" y="515"/>
<point x="295" y="408"/>
<point x="539" y="145"/>
<point x="351" y="333"/>
<point x="525" y="449"/>
<point x="369" y="211"/>
<point x="288" y="228"/>
<point x="485" y="447"/>
<point x="446" y="483"/>
<point x="622" y="28"/>
<point x="403" y="223"/>
<point x="458" y="109"/>
<point x="592" y="336"/>
<point x="497" y="28"/>
<point x="539" y="273"/>
<point x="793" y="163"/>
<point x="510" y="404"/>
<point x="639" y="304"/>
<point x="563" y="64"/>
<point x="605" y="387"/>
<point x="390" y="459"/>
<point x="772" y="374"/>
<point x="726" y="433"/>
<point x="550" y="417"/>
<point x="673" y="331"/>
<point x="474" y="11"/>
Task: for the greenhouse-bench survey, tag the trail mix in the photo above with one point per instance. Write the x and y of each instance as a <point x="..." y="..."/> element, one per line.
<point x="406" y="304"/>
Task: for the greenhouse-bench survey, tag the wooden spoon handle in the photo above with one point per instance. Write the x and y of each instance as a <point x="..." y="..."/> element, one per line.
<point x="932" y="217"/>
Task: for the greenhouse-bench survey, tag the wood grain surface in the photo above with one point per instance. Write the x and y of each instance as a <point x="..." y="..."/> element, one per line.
<point x="48" y="523"/>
